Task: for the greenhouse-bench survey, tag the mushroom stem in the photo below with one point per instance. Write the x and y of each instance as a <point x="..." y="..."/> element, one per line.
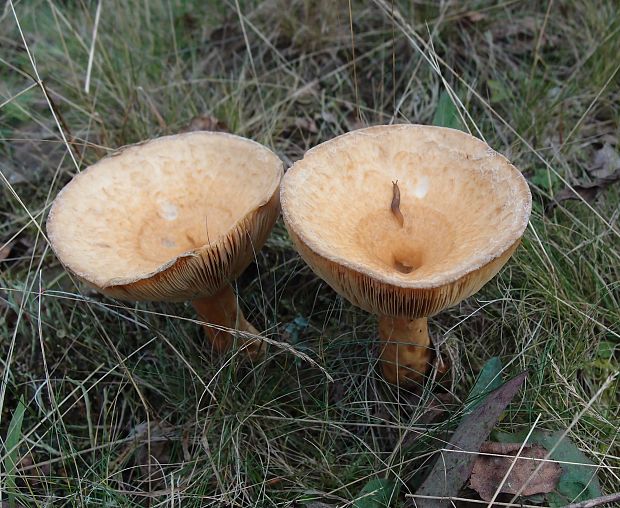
<point x="220" y="310"/>
<point x="406" y="354"/>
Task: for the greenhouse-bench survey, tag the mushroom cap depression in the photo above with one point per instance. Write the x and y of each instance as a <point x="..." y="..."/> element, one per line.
<point x="171" y="219"/>
<point x="464" y="207"/>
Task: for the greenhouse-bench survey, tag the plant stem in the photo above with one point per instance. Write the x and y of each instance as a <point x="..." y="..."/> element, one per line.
<point x="406" y="353"/>
<point x="223" y="316"/>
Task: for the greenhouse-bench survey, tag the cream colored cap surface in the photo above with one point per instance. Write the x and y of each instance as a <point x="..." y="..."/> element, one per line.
<point x="174" y="218"/>
<point x="464" y="206"/>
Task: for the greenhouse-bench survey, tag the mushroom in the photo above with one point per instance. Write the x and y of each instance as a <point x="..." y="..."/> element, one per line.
<point x="173" y="219"/>
<point x="405" y="221"/>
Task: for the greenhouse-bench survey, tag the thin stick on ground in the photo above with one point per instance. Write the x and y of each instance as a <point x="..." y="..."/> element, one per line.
<point x="597" y="501"/>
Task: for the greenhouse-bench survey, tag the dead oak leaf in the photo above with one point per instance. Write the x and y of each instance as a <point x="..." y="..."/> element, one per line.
<point x="587" y="191"/>
<point x="154" y="443"/>
<point x="489" y="471"/>
<point x="149" y="445"/>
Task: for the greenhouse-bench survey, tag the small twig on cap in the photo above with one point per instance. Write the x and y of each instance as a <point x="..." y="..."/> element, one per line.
<point x="396" y="204"/>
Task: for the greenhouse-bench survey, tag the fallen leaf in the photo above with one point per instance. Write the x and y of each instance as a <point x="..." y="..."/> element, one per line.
<point x="159" y="448"/>
<point x="606" y="161"/>
<point x="205" y="123"/>
<point x="5" y="250"/>
<point x="150" y="448"/>
<point x="578" y="481"/>
<point x="489" y="471"/>
<point x="451" y="472"/>
<point x="586" y="191"/>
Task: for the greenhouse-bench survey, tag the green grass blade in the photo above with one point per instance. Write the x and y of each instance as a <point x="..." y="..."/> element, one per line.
<point x="11" y="443"/>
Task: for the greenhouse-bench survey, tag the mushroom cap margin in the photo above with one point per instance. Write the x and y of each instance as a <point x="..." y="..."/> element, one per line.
<point x="196" y="272"/>
<point x="384" y="294"/>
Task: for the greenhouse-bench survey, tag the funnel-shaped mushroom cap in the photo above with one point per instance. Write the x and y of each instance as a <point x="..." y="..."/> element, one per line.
<point x="171" y="219"/>
<point x="464" y="208"/>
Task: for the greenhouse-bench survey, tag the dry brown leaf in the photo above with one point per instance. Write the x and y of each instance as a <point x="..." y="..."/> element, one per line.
<point x="160" y="435"/>
<point x="150" y="448"/>
<point x="606" y="161"/>
<point x="489" y="471"/>
<point x="586" y="191"/>
<point x="205" y="123"/>
<point x="452" y="470"/>
<point x="5" y="250"/>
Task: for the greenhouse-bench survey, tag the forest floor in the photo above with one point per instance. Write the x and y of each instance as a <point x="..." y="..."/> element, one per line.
<point x="105" y="403"/>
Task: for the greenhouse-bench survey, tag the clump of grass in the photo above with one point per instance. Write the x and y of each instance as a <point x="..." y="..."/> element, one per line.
<point x="125" y="406"/>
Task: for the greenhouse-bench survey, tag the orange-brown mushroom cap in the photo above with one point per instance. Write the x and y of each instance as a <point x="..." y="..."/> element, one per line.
<point x="171" y="219"/>
<point x="464" y="209"/>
